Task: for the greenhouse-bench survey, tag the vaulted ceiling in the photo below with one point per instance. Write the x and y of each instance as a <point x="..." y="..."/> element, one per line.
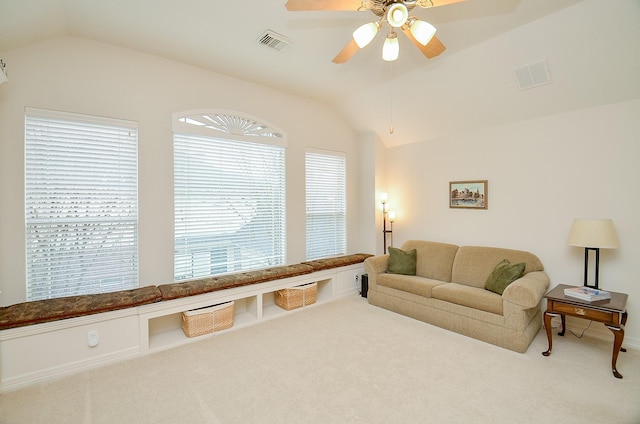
<point x="422" y="98"/>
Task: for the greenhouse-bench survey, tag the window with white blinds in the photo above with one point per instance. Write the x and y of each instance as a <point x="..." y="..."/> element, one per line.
<point x="81" y="204"/>
<point x="326" y="204"/>
<point x="229" y="198"/>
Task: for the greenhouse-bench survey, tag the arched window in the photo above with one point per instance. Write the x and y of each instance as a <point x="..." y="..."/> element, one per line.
<point x="229" y="193"/>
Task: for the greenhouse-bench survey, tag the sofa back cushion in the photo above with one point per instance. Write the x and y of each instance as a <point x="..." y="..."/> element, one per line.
<point x="473" y="264"/>
<point x="433" y="260"/>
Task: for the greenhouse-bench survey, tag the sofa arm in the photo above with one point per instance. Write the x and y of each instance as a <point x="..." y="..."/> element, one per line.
<point x="375" y="265"/>
<point x="528" y="290"/>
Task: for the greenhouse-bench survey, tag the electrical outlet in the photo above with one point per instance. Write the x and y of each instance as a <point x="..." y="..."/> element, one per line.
<point x="93" y="338"/>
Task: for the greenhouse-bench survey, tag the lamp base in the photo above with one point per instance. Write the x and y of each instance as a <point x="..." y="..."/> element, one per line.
<point x="586" y="266"/>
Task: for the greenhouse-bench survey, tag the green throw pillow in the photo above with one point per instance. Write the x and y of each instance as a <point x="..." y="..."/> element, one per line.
<point x="504" y="274"/>
<point x="401" y="262"/>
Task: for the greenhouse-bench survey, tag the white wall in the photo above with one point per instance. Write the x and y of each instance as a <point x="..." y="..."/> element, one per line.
<point x="542" y="174"/>
<point x="373" y="153"/>
<point x="83" y="76"/>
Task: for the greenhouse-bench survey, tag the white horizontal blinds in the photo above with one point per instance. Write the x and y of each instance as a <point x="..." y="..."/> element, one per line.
<point x="229" y="205"/>
<point x="81" y="204"/>
<point x="326" y="205"/>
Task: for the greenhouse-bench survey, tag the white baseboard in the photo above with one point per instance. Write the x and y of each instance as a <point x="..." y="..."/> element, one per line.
<point x="40" y="376"/>
<point x="597" y="331"/>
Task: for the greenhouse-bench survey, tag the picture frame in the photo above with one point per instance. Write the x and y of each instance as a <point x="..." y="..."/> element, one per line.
<point x="471" y="194"/>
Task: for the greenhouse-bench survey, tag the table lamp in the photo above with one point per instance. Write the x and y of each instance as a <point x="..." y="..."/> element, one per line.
<point x="593" y="234"/>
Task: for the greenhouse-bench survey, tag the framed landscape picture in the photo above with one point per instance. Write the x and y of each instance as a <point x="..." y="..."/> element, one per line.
<point x="468" y="194"/>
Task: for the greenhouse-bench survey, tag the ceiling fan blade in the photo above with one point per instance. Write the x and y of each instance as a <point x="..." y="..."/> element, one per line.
<point x="436" y="3"/>
<point x="433" y="47"/>
<point x="346" y="53"/>
<point x="309" y="5"/>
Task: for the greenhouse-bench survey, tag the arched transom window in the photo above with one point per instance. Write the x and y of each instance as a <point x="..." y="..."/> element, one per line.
<point x="228" y="123"/>
<point x="229" y="192"/>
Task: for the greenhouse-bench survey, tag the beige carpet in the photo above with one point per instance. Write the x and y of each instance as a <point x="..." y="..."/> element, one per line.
<point x="344" y="362"/>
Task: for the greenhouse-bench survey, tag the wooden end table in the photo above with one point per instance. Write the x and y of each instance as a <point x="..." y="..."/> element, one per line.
<point x="612" y="312"/>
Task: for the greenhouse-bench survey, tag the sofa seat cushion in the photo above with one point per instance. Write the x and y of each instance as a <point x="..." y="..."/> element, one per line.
<point x="471" y="297"/>
<point x="210" y="284"/>
<point x="40" y="311"/>
<point x="409" y="283"/>
<point x="337" y="261"/>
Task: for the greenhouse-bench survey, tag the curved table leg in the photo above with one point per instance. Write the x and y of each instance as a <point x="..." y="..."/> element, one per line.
<point x="547" y="327"/>
<point x="618" y="333"/>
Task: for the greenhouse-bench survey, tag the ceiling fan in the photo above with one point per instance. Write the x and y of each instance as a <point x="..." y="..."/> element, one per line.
<point x="394" y="12"/>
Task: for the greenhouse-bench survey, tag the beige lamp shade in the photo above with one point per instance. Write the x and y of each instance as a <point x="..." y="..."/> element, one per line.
<point x="598" y="233"/>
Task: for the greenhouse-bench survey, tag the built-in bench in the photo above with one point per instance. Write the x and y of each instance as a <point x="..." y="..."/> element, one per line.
<point x="41" y="311"/>
<point x="215" y="283"/>
<point x="337" y="261"/>
<point x="82" y="332"/>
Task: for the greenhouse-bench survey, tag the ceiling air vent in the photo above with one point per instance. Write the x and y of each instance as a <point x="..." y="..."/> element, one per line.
<point x="274" y="40"/>
<point x="533" y="75"/>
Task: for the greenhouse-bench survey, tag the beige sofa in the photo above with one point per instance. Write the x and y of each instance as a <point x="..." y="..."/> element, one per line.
<point x="448" y="291"/>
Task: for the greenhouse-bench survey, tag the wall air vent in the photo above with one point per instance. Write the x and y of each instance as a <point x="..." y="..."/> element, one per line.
<point x="533" y="75"/>
<point x="274" y="40"/>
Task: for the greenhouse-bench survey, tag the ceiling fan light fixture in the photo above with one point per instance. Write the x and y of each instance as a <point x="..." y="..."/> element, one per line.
<point x="422" y="31"/>
<point x="364" y="34"/>
<point x="397" y="15"/>
<point x="391" y="47"/>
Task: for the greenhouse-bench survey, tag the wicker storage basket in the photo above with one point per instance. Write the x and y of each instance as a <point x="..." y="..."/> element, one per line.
<point x="207" y="320"/>
<point x="297" y="297"/>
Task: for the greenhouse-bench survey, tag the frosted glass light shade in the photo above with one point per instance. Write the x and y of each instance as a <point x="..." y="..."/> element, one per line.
<point x="391" y="47"/>
<point x="598" y="233"/>
<point x="422" y="31"/>
<point x="397" y="15"/>
<point x="365" y="33"/>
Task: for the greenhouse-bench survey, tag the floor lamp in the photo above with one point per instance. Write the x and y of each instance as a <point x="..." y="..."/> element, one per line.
<point x="593" y="234"/>
<point x="3" y="72"/>
<point x="387" y="216"/>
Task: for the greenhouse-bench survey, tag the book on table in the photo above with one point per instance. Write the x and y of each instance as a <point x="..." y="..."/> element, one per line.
<point x="587" y="293"/>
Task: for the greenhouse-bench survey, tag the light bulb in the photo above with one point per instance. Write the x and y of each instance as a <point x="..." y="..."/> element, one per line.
<point x="422" y="31"/>
<point x="365" y="33"/>
<point x="391" y="47"/>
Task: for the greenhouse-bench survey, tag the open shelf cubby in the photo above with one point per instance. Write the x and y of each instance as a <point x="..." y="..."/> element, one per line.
<point x="161" y="323"/>
<point x="271" y="310"/>
<point x="165" y="329"/>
